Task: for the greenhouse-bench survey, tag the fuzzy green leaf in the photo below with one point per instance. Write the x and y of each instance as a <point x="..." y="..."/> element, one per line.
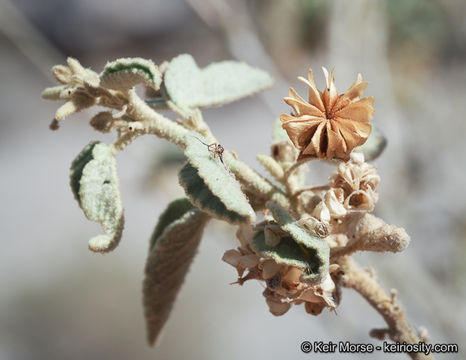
<point x="77" y="167"/>
<point x="219" y="83"/>
<point x="168" y="262"/>
<point x="278" y="133"/>
<point x="94" y="182"/>
<point x="201" y="196"/>
<point x="272" y="166"/>
<point x="175" y="210"/>
<point x="300" y="249"/>
<point x="123" y="74"/>
<point x="283" y="151"/>
<point x="211" y="186"/>
<point x="54" y="93"/>
<point x="374" y="145"/>
<point x="287" y="252"/>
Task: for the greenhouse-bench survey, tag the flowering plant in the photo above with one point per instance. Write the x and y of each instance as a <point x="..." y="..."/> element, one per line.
<point x="301" y="246"/>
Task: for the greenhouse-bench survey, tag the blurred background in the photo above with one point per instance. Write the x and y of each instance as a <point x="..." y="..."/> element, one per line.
<point x="60" y="301"/>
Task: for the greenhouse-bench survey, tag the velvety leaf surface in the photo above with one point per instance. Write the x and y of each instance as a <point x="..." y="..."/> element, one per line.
<point x="94" y="182"/>
<point x="123" y="74"/>
<point x="173" y="247"/>
<point x="190" y="87"/>
<point x="210" y="185"/>
<point x="175" y="210"/>
<point x="300" y="249"/>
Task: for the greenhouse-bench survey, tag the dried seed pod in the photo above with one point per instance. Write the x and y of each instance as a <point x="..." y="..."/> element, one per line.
<point x="328" y="125"/>
<point x="353" y="186"/>
<point x="314" y="226"/>
<point x="334" y="199"/>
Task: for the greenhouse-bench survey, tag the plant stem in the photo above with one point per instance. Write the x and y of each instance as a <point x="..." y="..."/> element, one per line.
<point x="157" y="124"/>
<point x="399" y="329"/>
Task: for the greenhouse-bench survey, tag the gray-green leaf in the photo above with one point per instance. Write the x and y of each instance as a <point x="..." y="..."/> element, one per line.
<point x="173" y="247"/>
<point x="374" y="145"/>
<point x="94" y="182"/>
<point x="210" y="185"/>
<point x="123" y="74"/>
<point x="219" y="83"/>
<point x="278" y="133"/>
<point x="300" y="248"/>
<point x="175" y="210"/>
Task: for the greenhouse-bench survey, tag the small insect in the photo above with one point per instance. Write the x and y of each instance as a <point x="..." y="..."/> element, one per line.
<point x="216" y="149"/>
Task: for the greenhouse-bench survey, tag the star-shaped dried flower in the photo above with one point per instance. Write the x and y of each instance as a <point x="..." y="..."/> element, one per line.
<point x="329" y="125"/>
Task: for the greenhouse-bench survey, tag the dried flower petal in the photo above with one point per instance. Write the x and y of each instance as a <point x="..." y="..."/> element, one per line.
<point x="355" y="182"/>
<point x="248" y="261"/>
<point x="359" y="200"/>
<point x="232" y="257"/>
<point x="322" y="212"/>
<point x="328" y="125"/>
<point x="269" y="269"/>
<point x="314" y="308"/>
<point x="244" y="234"/>
<point x="334" y="201"/>
<point x="276" y="307"/>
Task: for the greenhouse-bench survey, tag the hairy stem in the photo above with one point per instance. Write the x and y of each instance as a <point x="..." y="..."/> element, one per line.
<point x="364" y="283"/>
<point x="157" y="124"/>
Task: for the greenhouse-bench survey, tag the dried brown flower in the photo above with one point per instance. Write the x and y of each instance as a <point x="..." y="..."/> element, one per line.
<point x="328" y="125"/>
<point x="354" y="186"/>
<point x="284" y="286"/>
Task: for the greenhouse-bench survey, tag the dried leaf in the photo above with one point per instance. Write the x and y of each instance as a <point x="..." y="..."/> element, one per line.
<point x="94" y="182"/>
<point x="219" y="83"/>
<point x="173" y="246"/>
